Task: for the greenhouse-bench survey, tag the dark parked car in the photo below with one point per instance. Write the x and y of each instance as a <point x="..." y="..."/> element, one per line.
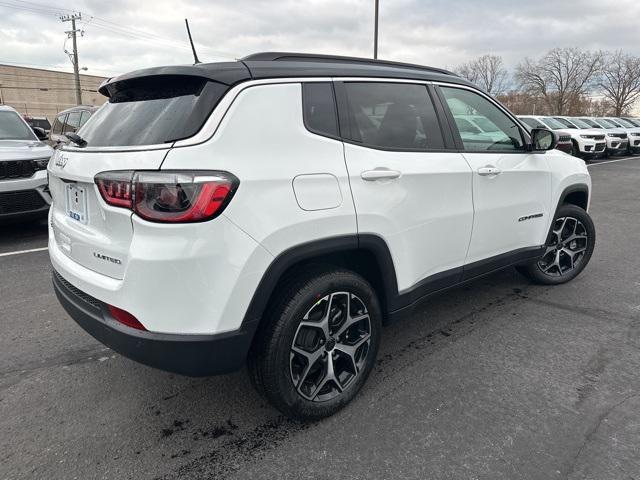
<point x="69" y="121"/>
<point x="38" y="122"/>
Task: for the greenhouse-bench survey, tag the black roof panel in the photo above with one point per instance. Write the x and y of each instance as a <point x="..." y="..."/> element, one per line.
<point x="284" y="65"/>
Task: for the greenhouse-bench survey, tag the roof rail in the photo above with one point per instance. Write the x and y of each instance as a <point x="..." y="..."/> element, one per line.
<point x="313" y="57"/>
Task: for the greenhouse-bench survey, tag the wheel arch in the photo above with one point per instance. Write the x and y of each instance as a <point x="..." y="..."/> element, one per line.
<point x="366" y="255"/>
<point x="577" y="194"/>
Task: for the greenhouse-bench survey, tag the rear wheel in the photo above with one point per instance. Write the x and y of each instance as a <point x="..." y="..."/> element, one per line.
<point x="568" y="249"/>
<point x="318" y="345"/>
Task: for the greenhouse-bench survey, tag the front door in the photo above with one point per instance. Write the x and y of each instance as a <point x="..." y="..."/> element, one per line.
<point x="511" y="186"/>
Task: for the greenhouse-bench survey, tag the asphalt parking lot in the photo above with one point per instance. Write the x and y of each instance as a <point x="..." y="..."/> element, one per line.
<point x="499" y="379"/>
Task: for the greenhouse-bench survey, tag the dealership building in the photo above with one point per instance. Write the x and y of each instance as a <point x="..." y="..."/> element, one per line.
<point x="37" y="92"/>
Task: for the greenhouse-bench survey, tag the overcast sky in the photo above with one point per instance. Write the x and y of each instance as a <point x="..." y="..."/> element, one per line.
<point x="124" y="35"/>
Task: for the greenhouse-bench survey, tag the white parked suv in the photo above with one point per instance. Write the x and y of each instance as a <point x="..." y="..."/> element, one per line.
<point x="585" y="136"/>
<point x="280" y="208"/>
<point x="633" y="133"/>
<point x="24" y="194"/>
<point x="617" y="138"/>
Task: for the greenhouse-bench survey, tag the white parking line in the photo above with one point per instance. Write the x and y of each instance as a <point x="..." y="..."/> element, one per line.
<point x="611" y="161"/>
<point x="20" y="252"/>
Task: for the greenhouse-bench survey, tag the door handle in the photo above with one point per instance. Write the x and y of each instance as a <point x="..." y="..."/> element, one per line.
<point x="379" y="174"/>
<point x="489" y="170"/>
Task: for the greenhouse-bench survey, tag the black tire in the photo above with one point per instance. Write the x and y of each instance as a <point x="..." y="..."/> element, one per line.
<point x="273" y="363"/>
<point x="571" y="256"/>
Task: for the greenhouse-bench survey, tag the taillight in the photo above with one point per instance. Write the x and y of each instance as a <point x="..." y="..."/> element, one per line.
<point x="169" y="196"/>
<point x="125" y="318"/>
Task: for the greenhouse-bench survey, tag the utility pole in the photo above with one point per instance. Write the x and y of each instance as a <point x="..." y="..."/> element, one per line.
<point x="74" y="57"/>
<point x="375" y="33"/>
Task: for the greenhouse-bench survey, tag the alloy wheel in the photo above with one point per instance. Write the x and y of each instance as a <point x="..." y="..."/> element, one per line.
<point x="330" y="346"/>
<point x="566" y="248"/>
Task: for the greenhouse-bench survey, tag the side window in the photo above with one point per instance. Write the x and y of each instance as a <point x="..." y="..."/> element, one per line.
<point x="319" y="108"/>
<point x="73" y="122"/>
<point x="57" y="124"/>
<point x="84" y="117"/>
<point x="398" y="116"/>
<point x="498" y="131"/>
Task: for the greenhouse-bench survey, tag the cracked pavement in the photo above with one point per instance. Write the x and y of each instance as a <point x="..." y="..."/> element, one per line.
<point x="497" y="379"/>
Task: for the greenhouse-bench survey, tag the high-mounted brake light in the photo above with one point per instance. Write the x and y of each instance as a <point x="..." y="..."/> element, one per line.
<point x="169" y="196"/>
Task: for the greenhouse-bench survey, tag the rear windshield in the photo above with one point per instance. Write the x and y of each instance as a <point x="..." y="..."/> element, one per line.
<point x="13" y="128"/>
<point x="152" y="110"/>
<point x="39" y="122"/>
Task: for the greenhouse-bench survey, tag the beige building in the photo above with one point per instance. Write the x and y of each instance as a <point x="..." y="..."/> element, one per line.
<point x="37" y="92"/>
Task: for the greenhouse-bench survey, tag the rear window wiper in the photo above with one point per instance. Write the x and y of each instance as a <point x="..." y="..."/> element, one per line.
<point x="77" y="139"/>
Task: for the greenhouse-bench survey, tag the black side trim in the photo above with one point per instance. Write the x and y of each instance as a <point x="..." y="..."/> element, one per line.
<point x="457" y="276"/>
<point x="193" y="355"/>
<point x="392" y="300"/>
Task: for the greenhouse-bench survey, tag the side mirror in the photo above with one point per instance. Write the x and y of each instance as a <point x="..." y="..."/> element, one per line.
<point x="40" y="133"/>
<point x="543" y="140"/>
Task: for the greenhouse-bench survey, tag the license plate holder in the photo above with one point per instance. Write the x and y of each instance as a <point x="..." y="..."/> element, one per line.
<point x="76" y="202"/>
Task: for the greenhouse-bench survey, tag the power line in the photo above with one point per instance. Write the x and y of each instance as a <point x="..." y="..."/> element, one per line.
<point x="112" y="27"/>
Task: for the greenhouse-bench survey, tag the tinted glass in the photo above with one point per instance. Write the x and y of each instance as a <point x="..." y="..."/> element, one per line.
<point x="579" y="123"/>
<point x="533" y="123"/>
<point x="591" y="123"/>
<point x="13" y="128"/>
<point x="466" y="126"/>
<point x="84" y="117"/>
<point x="566" y="123"/>
<point x="501" y="133"/>
<point x="625" y="123"/>
<point x="552" y="123"/>
<point x="73" y="122"/>
<point x="634" y="122"/>
<point x="397" y="116"/>
<point x="152" y="110"/>
<point x="605" y="123"/>
<point x="320" y="114"/>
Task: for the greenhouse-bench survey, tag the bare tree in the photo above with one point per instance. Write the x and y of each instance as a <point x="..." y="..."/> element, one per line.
<point x="561" y="76"/>
<point x="620" y="81"/>
<point x="487" y="72"/>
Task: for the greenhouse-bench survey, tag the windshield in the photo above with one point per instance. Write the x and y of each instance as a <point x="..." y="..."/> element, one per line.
<point x="13" y="128"/>
<point x="552" y="123"/>
<point x="625" y="123"/>
<point x="566" y="123"/>
<point x="591" y="123"/>
<point x="579" y="123"/>
<point x="634" y="122"/>
<point x="151" y="111"/>
<point x="532" y="123"/>
<point x="606" y="123"/>
<point x="615" y="123"/>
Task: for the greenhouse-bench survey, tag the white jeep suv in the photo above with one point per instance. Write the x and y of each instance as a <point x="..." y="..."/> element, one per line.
<point x="281" y="208"/>
<point x="24" y="194"/>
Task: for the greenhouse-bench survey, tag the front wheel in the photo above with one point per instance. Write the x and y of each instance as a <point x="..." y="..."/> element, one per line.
<point x="568" y="249"/>
<point x="318" y="344"/>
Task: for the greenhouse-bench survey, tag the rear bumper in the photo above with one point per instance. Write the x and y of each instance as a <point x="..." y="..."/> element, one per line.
<point x="192" y="355"/>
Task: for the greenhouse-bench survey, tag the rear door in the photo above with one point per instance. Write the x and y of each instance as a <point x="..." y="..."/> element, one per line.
<point x="408" y="186"/>
<point x="511" y="186"/>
